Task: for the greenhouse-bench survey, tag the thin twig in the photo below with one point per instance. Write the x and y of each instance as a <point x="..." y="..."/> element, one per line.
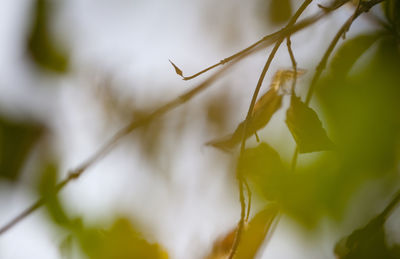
<point x="294" y="63"/>
<point x="249" y="48"/>
<point x="363" y="7"/>
<point x="104" y="150"/>
<point x="389" y="208"/>
<point x="249" y="199"/>
<point x="249" y="113"/>
<point x="238" y="54"/>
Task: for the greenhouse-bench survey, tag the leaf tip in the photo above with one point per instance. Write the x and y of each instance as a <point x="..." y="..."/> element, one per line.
<point x="177" y="70"/>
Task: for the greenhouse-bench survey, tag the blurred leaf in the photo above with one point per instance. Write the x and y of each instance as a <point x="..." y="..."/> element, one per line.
<point x="66" y="247"/>
<point x="267" y="105"/>
<point x="366" y="243"/>
<point x="41" y="45"/>
<point x="121" y="241"/>
<point x="48" y="191"/>
<point x="306" y="128"/>
<point x="263" y="166"/>
<point x="280" y="11"/>
<point x="222" y="246"/>
<point x="392" y="13"/>
<point x="252" y="237"/>
<point x="349" y="52"/>
<point x="177" y="70"/>
<point x="16" y="141"/>
<point x="255" y="232"/>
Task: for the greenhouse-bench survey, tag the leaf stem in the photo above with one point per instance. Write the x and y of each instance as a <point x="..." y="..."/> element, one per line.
<point x="249" y="112"/>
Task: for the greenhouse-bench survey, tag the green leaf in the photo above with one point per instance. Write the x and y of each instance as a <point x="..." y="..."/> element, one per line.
<point x="270" y="102"/>
<point x="392" y="13"/>
<point x="47" y="189"/>
<point x="280" y="11"/>
<point x="366" y="243"/>
<point x="306" y="128"/>
<point x="16" y="142"/>
<point x="121" y="241"/>
<point x="41" y="44"/>
<point x="349" y="52"/>
<point x="263" y="166"/>
<point x="256" y="231"/>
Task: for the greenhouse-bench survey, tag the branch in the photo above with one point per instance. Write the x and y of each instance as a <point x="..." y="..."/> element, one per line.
<point x="106" y="148"/>
<point x="363" y="7"/>
<point x="249" y="112"/>
<point x="252" y="46"/>
<point x="109" y="145"/>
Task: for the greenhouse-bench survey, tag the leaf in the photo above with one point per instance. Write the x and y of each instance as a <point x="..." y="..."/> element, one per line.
<point x="222" y="246"/>
<point x="280" y="11"/>
<point x="306" y="128"/>
<point x="252" y="237"/>
<point x="47" y="189"/>
<point x="121" y="241"/>
<point x="16" y="142"/>
<point x="267" y="105"/>
<point x="365" y="243"/>
<point x="41" y="45"/>
<point x="177" y="70"/>
<point x="256" y="232"/>
<point x="350" y="51"/>
<point x="392" y="13"/>
<point x="263" y="166"/>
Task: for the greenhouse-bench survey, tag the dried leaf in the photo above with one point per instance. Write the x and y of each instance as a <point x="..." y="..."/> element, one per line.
<point x="252" y="237"/>
<point x="306" y="128"/>
<point x="267" y="105"/>
<point x="222" y="246"/>
<point x="256" y="232"/>
<point x="177" y="70"/>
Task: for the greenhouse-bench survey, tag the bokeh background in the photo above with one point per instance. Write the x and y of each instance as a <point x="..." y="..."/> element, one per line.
<point x="74" y="72"/>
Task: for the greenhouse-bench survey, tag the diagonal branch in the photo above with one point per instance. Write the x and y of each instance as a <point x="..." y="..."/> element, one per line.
<point x="252" y="46"/>
<point x="111" y="143"/>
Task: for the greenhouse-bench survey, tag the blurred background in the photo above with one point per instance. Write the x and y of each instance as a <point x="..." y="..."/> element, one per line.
<point x="74" y="72"/>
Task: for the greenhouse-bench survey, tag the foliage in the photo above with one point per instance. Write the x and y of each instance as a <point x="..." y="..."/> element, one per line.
<point x="352" y="130"/>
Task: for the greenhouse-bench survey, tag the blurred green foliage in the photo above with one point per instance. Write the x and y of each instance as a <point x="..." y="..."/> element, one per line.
<point x="122" y="240"/>
<point x="358" y="98"/>
<point x="280" y="11"/>
<point x="42" y="46"/>
<point x="16" y="141"/>
<point x="306" y="128"/>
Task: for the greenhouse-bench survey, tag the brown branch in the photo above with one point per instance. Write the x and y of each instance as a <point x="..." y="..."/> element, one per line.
<point x="294" y="63"/>
<point x="230" y="58"/>
<point x="363" y="7"/>
<point x="249" y="112"/>
<point x="249" y="199"/>
<point x="252" y="46"/>
<point x="106" y="148"/>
